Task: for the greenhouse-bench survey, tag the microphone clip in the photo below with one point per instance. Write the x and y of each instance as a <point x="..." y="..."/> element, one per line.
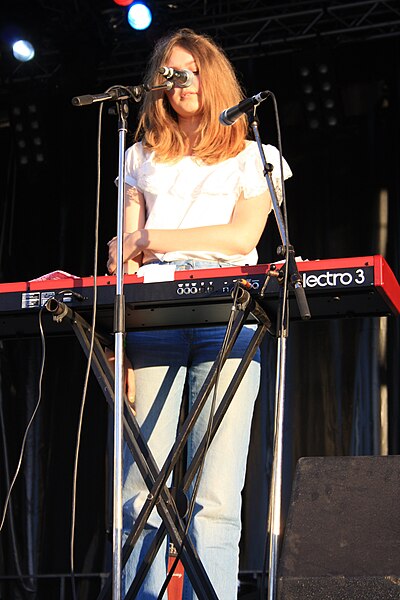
<point x="182" y="78"/>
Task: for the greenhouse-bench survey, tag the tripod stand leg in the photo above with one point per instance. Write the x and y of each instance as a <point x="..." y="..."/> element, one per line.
<point x="149" y="470"/>
<point x="203" y="395"/>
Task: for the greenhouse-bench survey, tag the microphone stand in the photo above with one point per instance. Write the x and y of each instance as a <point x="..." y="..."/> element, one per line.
<point x="120" y="95"/>
<point x="275" y="500"/>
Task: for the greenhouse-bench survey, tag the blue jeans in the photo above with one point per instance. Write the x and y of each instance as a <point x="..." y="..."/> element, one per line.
<point x="163" y="361"/>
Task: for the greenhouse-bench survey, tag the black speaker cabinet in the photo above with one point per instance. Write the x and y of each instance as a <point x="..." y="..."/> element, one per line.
<point x="342" y="537"/>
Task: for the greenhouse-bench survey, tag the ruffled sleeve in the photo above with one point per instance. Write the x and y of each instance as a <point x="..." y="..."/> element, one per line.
<point x="133" y="160"/>
<point x="252" y="180"/>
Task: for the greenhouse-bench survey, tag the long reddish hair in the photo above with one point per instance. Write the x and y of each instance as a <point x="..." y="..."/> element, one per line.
<point x="220" y="89"/>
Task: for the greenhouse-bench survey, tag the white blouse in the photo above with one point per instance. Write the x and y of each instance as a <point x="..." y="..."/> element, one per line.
<point x="192" y="194"/>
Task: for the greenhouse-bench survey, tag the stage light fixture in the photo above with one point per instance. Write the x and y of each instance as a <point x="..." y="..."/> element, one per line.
<point x="25" y="123"/>
<point x="123" y="2"/>
<point x="320" y="93"/>
<point x="23" y="50"/>
<point x="139" y="16"/>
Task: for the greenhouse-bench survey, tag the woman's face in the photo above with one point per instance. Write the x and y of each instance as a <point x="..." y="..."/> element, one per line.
<point x="185" y="101"/>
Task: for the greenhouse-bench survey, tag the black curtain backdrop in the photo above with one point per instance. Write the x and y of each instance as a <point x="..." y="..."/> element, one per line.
<point x="336" y="369"/>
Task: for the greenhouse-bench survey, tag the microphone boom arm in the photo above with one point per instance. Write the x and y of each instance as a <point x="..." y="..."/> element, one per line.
<point x="117" y="93"/>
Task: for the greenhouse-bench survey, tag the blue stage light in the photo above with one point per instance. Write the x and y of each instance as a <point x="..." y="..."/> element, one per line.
<point x="23" y="50"/>
<point x="139" y="16"/>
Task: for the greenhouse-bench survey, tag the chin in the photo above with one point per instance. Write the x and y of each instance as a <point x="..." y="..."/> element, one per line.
<point x="185" y="114"/>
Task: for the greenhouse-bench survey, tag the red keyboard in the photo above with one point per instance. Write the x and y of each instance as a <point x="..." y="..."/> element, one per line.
<point x="344" y="287"/>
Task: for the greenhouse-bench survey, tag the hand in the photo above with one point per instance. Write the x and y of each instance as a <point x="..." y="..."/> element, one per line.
<point x="130" y="384"/>
<point x="129" y="377"/>
<point x="130" y="249"/>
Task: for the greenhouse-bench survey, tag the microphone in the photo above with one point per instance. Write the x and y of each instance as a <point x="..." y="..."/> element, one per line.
<point x="182" y="78"/>
<point x="230" y="115"/>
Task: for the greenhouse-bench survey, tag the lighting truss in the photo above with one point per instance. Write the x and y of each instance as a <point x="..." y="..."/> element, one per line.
<point x="244" y="28"/>
<point x="254" y="29"/>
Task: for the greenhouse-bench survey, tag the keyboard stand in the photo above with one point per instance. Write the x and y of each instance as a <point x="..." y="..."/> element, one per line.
<point x="159" y="494"/>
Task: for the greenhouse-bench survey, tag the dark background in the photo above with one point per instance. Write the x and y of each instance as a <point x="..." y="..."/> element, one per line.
<point x="342" y="375"/>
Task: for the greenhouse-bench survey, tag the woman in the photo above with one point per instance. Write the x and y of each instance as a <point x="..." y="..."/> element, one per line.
<point x="196" y="197"/>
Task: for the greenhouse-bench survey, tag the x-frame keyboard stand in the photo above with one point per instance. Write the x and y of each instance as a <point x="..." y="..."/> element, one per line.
<point x="159" y="495"/>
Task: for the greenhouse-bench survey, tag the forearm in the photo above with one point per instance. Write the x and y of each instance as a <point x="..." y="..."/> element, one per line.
<point x="226" y="239"/>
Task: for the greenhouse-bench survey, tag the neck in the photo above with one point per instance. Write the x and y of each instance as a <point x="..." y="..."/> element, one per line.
<point x="190" y="127"/>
